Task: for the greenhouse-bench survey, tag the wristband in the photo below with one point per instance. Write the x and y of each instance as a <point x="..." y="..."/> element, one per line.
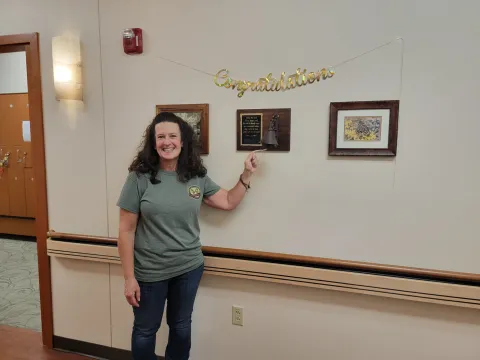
<point x="247" y="186"/>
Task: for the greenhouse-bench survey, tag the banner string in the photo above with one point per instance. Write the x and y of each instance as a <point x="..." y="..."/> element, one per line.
<point x="334" y="67"/>
<point x="187" y="66"/>
<point x="367" y="52"/>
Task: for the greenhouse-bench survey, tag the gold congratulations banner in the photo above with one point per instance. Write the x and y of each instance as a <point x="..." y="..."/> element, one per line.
<point x="269" y="83"/>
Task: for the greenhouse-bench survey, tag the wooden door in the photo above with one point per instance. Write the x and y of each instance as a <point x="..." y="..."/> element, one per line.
<point x="30" y="194"/>
<point x="4" y="193"/>
<point x="15" y="190"/>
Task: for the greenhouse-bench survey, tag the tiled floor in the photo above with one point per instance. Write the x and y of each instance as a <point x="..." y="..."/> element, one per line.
<point x="19" y="295"/>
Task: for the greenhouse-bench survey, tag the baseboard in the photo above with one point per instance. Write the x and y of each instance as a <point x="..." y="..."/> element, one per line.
<point x="17" y="226"/>
<point x="89" y="349"/>
<point x="18" y="237"/>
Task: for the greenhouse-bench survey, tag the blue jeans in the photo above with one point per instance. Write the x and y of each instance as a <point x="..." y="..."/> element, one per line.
<point x="179" y="293"/>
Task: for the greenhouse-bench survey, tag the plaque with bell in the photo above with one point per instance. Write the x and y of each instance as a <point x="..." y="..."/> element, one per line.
<point x="263" y="129"/>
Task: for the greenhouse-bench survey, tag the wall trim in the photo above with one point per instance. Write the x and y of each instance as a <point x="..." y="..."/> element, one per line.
<point x="309" y="261"/>
<point x="436" y="292"/>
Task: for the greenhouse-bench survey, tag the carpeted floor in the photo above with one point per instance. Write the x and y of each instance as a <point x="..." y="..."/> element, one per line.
<point x="19" y="294"/>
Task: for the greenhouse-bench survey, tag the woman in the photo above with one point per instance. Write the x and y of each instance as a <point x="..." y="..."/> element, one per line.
<point x="159" y="242"/>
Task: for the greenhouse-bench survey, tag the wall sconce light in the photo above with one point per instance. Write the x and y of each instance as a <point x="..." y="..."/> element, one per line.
<point x="67" y="68"/>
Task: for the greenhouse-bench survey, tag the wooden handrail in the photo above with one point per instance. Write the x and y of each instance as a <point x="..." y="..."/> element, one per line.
<point x="84" y="238"/>
<point x="347" y="265"/>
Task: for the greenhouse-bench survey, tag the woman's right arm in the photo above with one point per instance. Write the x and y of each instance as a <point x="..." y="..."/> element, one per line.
<point x="128" y="224"/>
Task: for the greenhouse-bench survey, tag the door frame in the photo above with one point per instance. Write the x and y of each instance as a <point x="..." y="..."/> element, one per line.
<point x="34" y="79"/>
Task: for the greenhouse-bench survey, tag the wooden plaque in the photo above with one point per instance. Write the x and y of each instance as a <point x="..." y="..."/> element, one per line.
<point x="263" y="129"/>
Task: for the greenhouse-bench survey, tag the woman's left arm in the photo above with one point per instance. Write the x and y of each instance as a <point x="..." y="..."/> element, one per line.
<point x="229" y="199"/>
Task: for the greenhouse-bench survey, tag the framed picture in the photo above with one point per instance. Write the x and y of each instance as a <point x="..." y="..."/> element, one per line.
<point x="197" y="115"/>
<point x="266" y="129"/>
<point x="363" y="128"/>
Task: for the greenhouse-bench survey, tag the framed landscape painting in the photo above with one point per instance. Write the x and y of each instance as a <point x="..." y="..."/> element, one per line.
<point x="363" y="128"/>
<point x="197" y="116"/>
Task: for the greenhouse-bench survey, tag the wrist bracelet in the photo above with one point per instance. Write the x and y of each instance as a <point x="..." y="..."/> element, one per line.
<point x="247" y="186"/>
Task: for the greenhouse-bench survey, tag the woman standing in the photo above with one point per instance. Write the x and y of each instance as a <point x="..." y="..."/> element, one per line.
<point x="159" y="243"/>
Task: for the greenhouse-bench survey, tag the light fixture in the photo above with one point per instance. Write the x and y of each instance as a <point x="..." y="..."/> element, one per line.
<point x="67" y="68"/>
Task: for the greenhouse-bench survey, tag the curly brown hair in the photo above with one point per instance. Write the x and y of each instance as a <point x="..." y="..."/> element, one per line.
<point x="147" y="160"/>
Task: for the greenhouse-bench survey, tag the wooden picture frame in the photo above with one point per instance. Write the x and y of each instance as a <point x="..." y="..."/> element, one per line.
<point x="363" y="128"/>
<point x="196" y="115"/>
<point x="253" y="125"/>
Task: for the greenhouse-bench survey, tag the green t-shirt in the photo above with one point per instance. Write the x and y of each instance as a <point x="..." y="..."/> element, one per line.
<point x="167" y="238"/>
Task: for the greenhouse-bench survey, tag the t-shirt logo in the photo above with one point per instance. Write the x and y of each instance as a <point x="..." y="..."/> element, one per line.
<point x="194" y="192"/>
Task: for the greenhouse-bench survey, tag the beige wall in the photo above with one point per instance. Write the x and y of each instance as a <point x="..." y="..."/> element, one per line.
<point x="349" y="209"/>
<point x="344" y="207"/>
<point x="340" y="208"/>
<point x="74" y="134"/>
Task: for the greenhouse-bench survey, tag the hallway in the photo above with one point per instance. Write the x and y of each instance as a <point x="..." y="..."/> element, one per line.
<point x="19" y="292"/>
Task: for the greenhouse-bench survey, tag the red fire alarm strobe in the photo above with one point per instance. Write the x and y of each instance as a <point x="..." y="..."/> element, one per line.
<point x="132" y="41"/>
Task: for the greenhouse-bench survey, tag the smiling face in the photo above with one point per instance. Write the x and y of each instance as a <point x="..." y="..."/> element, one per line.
<point x="168" y="142"/>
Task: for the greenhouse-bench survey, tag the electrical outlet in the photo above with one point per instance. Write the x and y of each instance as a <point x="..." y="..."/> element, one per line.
<point x="237" y="315"/>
